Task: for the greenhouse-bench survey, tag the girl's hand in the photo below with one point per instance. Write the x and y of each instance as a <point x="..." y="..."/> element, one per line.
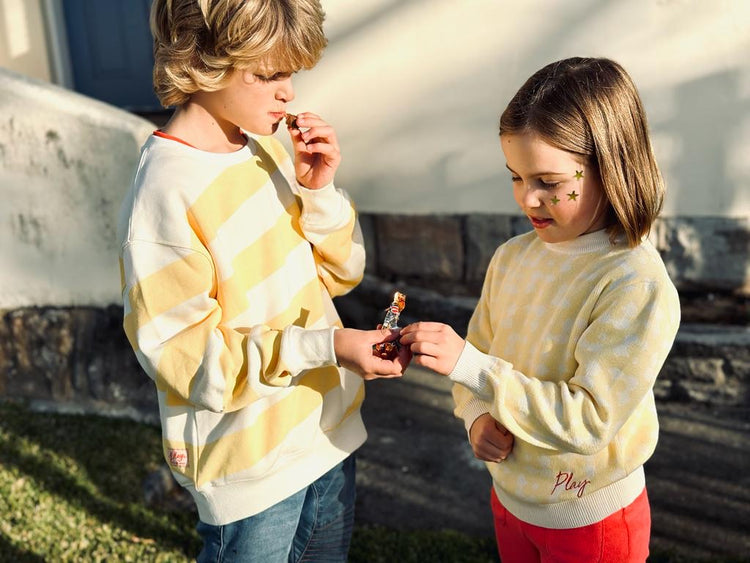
<point x="354" y="352"/>
<point x="435" y="345"/>
<point x="316" y="151"/>
<point x="490" y="440"/>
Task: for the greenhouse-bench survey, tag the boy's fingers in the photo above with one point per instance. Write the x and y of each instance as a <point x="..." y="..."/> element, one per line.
<point x="319" y="132"/>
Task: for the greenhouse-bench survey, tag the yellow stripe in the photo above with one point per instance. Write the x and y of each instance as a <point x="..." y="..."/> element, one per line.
<point x="239" y="451"/>
<point x="174" y="400"/>
<point x="174" y="284"/>
<point x="354" y="407"/>
<point x="274" y="148"/>
<point x="335" y="285"/>
<point x="259" y="260"/>
<point x="225" y="195"/>
<point x="182" y="355"/>
<point x="304" y="309"/>
<point x="337" y="247"/>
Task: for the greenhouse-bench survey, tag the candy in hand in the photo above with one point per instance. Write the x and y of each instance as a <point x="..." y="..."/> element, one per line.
<point x="291" y="121"/>
<point x="389" y="350"/>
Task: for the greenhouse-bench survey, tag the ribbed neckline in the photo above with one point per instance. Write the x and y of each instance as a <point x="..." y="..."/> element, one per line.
<point x="591" y="242"/>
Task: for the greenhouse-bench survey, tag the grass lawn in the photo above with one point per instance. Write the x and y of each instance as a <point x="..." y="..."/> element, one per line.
<point x="71" y="490"/>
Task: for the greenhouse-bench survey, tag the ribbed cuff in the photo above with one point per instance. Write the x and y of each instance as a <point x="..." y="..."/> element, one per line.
<point x="307" y="349"/>
<point x="324" y="208"/>
<point x="473" y="410"/>
<point x="472" y="371"/>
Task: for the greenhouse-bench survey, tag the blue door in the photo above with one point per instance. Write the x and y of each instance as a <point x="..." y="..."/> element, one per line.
<point x="110" y="51"/>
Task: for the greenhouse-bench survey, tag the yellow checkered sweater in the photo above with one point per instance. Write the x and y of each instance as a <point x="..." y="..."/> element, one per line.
<point x="563" y="350"/>
<point x="228" y="269"/>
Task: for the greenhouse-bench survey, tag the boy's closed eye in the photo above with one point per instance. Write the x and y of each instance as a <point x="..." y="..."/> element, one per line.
<point x="274" y="77"/>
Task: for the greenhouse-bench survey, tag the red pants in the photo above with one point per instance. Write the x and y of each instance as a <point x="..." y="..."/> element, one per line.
<point x="620" y="538"/>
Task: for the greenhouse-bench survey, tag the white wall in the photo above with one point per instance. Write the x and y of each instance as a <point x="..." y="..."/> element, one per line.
<point x="65" y="164"/>
<point x="415" y="89"/>
<point x="23" y="46"/>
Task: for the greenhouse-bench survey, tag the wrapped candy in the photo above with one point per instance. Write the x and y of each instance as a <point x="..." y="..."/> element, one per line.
<point x="389" y="350"/>
<point x="291" y="121"/>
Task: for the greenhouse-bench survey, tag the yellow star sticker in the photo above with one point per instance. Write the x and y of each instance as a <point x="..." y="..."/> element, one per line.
<point x="555" y="200"/>
<point x="579" y="174"/>
<point x="572" y="195"/>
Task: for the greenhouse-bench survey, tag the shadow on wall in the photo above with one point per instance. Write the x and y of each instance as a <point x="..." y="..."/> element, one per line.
<point x="708" y="253"/>
<point x="708" y="122"/>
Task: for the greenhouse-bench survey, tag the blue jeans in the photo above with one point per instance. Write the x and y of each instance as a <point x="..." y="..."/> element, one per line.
<point x="314" y="524"/>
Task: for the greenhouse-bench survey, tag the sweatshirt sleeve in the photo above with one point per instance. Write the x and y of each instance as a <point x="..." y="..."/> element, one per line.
<point x="329" y="222"/>
<point x="174" y="324"/>
<point x="619" y="355"/>
<point x="469" y="407"/>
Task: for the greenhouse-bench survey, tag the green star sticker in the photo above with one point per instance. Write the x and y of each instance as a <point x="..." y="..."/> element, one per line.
<point x="572" y="196"/>
<point x="579" y="174"/>
<point x="555" y="200"/>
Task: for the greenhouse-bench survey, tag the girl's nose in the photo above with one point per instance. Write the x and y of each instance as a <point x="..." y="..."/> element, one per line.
<point x="532" y="197"/>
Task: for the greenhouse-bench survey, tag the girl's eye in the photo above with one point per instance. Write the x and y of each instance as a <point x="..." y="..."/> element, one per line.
<point x="515" y="179"/>
<point x="548" y="185"/>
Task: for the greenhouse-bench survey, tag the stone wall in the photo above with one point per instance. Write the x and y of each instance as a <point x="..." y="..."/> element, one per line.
<point x="702" y="254"/>
<point x="77" y="359"/>
<point x="74" y="360"/>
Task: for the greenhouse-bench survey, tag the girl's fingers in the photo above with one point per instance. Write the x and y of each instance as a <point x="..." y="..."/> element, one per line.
<point x="428" y="362"/>
<point x="426" y="326"/>
<point x="424" y="348"/>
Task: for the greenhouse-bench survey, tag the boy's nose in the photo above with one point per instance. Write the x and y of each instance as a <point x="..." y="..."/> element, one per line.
<point x="286" y="90"/>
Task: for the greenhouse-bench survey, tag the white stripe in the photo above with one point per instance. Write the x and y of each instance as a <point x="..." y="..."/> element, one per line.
<point x="236" y="234"/>
<point x="152" y="335"/>
<point x="295" y="273"/>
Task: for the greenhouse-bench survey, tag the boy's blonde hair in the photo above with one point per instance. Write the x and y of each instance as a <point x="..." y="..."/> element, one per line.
<point x="590" y="107"/>
<point x="199" y="43"/>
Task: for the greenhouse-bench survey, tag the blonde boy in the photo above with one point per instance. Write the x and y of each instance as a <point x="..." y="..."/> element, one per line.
<point x="231" y="251"/>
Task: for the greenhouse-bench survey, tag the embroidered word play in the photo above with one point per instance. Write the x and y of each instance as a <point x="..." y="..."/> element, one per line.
<point x="565" y="479"/>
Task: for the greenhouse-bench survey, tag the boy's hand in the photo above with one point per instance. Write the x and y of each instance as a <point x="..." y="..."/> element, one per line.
<point x="354" y="352"/>
<point x="316" y="151"/>
<point x="435" y="345"/>
<point x="490" y="440"/>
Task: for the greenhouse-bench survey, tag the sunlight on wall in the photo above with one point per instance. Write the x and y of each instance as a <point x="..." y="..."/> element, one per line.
<point x="16" y="27"/>
<point x="415" y="90"/>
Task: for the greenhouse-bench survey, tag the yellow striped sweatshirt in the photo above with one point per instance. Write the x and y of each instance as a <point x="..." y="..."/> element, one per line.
<point x="228" y="270"/>
<point x="563" y="349"/>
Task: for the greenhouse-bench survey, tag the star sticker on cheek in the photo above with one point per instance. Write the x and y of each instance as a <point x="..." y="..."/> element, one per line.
<point x="579" y="174"/>
<point x="572" y="196"/>
<point x="555" y="200"/>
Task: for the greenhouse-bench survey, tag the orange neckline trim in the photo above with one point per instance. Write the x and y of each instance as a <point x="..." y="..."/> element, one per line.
<point x="162" y="134"/>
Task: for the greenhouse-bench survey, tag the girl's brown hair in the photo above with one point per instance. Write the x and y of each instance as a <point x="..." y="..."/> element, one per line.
<point x="199" y="43"/>
<point x="590" y="107"/>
